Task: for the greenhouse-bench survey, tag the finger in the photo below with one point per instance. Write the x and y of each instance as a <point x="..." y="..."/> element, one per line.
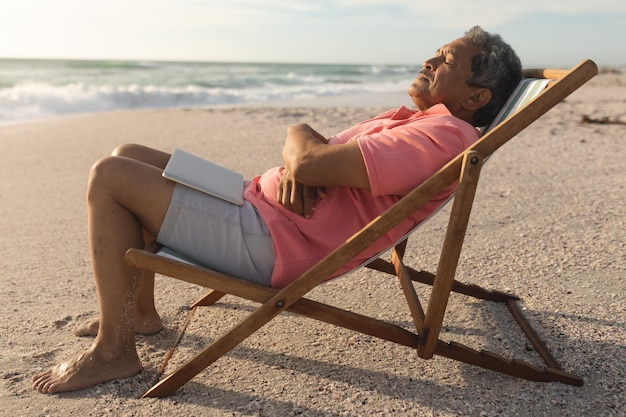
<point x="296" y="197"/>
<point x="279" y="193"/>
<point x="285" y="197"/>
<point x="283" y="191"/>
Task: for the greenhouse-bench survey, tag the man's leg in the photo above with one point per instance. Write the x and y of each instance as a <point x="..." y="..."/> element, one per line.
<point x="147" y="319"/>
<point x="125" y="197"/>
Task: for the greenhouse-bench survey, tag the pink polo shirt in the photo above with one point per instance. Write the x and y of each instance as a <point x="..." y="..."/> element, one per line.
<point x="401" y="148"/>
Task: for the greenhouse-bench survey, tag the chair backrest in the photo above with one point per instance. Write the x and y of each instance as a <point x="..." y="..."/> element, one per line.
<point x="526" y="90"/>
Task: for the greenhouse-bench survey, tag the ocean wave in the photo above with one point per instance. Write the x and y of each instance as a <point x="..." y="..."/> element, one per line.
<point x="42" y="89"/>
<point x="29" y="101"/>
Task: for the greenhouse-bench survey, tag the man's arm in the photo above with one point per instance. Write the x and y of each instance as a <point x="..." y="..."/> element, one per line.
<point x="307" y="155"/>
<point x="311" y="164"/>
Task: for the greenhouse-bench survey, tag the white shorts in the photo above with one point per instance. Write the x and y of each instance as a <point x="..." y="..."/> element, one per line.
<point x="220" y="235"/>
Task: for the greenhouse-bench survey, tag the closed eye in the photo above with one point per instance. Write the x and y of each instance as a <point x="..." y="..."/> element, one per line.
<point x="447" y="55"/>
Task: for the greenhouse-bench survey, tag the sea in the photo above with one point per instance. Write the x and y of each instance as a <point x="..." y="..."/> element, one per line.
<point x="36" y="89"/>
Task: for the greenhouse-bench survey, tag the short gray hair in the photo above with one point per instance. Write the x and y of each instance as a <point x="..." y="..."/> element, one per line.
<point x="497" y="68"/>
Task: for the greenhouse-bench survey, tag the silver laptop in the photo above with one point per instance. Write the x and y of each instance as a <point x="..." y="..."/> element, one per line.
<point x="205" y="176"/>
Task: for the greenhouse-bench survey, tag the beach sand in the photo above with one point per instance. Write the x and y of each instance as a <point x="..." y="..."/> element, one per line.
<point x="548" y="225"/>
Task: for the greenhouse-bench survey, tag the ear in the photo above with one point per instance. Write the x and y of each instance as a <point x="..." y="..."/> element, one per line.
<point x="479" y="98"/>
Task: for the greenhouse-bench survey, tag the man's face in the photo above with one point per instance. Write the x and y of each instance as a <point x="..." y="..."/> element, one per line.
<point x="443" y="78"/>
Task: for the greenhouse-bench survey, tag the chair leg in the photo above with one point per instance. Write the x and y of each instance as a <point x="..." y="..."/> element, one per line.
<point x="451" y="250"/>
<point x="532" y="336"/>
<point x="513" y="367"/>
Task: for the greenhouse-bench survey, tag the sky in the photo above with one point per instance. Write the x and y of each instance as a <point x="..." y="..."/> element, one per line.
<point x="543" y="32"/>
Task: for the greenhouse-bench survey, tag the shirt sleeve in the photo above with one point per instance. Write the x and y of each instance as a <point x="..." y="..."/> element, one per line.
<point x="400" y="158"/>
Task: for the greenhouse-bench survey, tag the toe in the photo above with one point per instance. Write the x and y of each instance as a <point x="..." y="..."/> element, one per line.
<point x="40" y="382"/>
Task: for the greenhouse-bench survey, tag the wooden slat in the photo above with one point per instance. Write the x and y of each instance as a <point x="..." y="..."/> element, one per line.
<point x="450" y="252"/>
<point x="546" y="73"/>
<point x="428" y="278"/>
<point x="415" y="307"/>
<point x="209" y="298"/>
<point x="513" y="367"/>
<point x="532" y="336"/>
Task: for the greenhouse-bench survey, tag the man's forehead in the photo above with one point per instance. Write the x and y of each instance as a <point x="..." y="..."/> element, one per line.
<point x="457" y="47"/>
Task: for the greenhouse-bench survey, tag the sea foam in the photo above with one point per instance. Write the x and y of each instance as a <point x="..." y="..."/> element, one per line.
<point x="40" y="89"/>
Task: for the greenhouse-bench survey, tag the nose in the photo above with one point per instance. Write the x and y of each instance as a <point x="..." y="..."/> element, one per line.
<point x="431" y="64"/>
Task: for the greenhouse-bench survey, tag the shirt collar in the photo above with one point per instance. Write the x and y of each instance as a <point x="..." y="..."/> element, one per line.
<point x="404" y="112"/>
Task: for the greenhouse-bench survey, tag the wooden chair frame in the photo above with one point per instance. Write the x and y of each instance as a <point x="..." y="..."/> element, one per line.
<point x="466" y="169"/>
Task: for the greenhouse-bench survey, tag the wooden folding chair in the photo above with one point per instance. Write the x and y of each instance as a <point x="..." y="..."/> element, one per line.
<point x="465" y="168"/>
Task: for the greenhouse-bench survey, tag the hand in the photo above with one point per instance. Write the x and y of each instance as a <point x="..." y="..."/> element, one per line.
<point x="297" y="197"/>
<point x="314" y="162"/>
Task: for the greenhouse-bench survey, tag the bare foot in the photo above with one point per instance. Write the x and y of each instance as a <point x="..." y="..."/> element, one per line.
<point x="146" y="327"/>
<point x="86" y="370"/>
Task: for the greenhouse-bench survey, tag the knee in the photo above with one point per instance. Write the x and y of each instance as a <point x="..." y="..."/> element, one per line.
<point x="128" y="150"/>
<point x="100" y="176"/>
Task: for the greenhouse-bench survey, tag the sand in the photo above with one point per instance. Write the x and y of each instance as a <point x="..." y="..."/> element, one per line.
<point x="548" y="225"/>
